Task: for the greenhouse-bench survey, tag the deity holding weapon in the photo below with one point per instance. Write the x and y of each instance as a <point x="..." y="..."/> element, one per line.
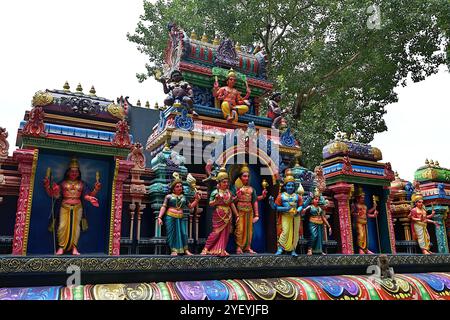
<point x="419" y="222"/>
<point x="316" y="220"/>
<point x="275" y="112"/>
<point x="223" y="201"/>
<point x="73" y="191"/>
<point x="361" y="214"/>
<point x="288" y="205"/>
<point x="232" y="104"/>
<point x="247" y="208"/>
<point x="179" y="92"/>
<point x="172" y="208"/>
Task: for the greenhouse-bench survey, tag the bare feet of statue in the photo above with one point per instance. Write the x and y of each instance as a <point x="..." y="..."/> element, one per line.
<point x="224" y="254"/>
<point x="204" y="252"/>
<point x="75" y="252"/>
<point x="309" y="252"/>
<point x="369" y="252"/>
<point x="425" y="251"/>
<point x="251" y="251"/>
<point x="279" y="251"/>
<point x="174" y="254"/>
<point x="239" y="250"/>
<point x="188" y="253"/>
<point x="60" y="252"/>
<point x="361" y="251"/>
<point x="324" y="254"/>
<point x="294" y="254"/>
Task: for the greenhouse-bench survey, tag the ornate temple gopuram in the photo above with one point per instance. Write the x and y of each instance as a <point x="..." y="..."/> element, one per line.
<point x="205" y="197"/>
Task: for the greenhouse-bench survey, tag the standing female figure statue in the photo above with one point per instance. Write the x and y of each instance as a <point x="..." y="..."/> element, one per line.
<point x="176" y="226"/>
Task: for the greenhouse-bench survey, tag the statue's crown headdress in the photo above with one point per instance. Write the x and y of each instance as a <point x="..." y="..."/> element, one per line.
<point x="222" y="175"/>
<point x="74" y="163"/>
<point x="245" y="169"/>
<point x="231" y="73"/>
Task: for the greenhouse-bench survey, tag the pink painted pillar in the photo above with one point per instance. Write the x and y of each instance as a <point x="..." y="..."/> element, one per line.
<point x="121" y="172"/>
<point x="27" y="167"/>
<point x="342" y="195"/>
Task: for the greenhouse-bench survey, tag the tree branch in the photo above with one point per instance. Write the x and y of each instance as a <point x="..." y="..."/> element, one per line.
<point x="334" y="72"/>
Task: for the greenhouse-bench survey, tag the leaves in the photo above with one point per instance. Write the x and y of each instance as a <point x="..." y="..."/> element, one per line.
<point x="336" y="73"/>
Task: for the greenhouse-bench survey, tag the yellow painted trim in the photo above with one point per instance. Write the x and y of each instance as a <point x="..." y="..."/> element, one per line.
<point x="113" y="209"/>
<point x="30" y="202"/>
<point x="92" y="123"/>
<point x="353" y="160"/>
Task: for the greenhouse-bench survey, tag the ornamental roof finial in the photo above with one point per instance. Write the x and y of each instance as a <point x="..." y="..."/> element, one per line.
<point x="66" y="87"/>
<point x="92" y="92"/>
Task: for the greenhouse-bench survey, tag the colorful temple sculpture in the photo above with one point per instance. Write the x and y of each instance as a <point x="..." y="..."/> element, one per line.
<point x="73" y="151"/>
<point x="128" y="189"/>
<point x="433" y="286"/>
<point x="221" y="127"/>
<point x="360" y="185"/>
<point x="400" y="205"/>
<point x="433" y="182"/>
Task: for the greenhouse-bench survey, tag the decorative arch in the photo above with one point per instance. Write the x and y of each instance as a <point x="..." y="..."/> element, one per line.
<point x="263" y="157"/>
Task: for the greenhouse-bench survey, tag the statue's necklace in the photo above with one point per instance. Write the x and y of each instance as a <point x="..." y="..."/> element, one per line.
<point x="178" y="201"/>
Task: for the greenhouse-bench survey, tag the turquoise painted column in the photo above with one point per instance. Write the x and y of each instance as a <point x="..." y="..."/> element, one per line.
<point x="441" y="231"/>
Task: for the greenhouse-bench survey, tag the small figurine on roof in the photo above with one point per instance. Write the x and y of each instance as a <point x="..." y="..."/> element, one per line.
<point x="179" y="92"/>
<point x="275" y="112"/>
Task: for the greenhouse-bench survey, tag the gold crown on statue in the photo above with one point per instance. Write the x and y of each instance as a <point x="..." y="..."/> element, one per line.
<point x="176" y="179"/>
<point x="222" y="175"/>
<point x="74" y="164"/>
<point x="245" y="169"/>
<point x="317" y="193"/>
<point x="288" y="177"/>
<point x="359" y="192"/>
<point x="416" y="197"/>
<point x="231" y="73"/>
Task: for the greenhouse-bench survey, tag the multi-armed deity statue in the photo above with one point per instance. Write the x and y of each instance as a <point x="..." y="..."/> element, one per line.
<point x="248" y="213"/>
<point x="179" y="92"/>
<point x="232" y="104"/>
<point x="73" y="191"/>
<point x="288" y="205"/>
<point x="275" y="112"/>
<point x="361" y="215"/>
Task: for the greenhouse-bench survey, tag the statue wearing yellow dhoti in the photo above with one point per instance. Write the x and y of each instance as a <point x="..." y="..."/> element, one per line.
<point x="247" y="207"/>
<point x="232" y="104"/>
<point x="71" y="211"/>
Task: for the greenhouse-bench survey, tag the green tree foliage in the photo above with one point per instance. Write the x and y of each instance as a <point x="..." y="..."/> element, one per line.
<point x="337" y="62"/>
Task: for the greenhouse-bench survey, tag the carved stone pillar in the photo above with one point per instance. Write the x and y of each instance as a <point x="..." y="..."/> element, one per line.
<point x="120" y="174"/>
<point x="141" y="208"/>
<point x="406" y="224"/>
<point x="342" y="195"/>
<point x="441" y="232"/>
<point x="27" y="160"/>
<point x="132" y="213"/>
<point x="137" y="187"/>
